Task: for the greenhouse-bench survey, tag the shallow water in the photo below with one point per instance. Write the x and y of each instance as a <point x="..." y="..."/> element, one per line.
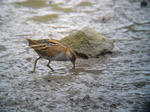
<point x="117" y="82"/>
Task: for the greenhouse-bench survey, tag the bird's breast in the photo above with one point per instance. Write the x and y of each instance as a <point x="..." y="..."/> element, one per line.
<point x="60" y="57"/>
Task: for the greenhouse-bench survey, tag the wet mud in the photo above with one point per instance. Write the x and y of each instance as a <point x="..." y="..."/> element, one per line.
<point x="116" y="82"/>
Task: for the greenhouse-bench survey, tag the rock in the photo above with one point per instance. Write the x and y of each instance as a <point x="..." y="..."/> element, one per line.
<point x="88" y="43"/>
<point x="143" y="3"/>
<point x="11" y="103"/>
<point x="2" y="48"/>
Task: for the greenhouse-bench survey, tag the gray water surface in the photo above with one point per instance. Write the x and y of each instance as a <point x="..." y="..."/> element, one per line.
<point x="117" y="82"/>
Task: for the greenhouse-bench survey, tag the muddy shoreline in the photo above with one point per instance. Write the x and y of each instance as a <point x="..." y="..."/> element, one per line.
<point x="117" y="82"/>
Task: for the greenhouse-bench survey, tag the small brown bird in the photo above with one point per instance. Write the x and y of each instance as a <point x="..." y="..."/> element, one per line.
<point x="52" y="50"/>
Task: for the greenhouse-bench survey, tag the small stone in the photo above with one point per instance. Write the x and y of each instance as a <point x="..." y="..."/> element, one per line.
<point x="88" y="43"/>
<point x="11" y="103"/>
<point x="2" y="48"/>
<point x="143" y="3"/>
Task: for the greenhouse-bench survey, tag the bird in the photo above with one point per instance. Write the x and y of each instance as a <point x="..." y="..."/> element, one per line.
<point x="52" y="50"/>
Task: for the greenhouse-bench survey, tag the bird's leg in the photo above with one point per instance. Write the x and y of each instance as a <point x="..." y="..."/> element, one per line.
<point x="35" y="64"/>
<point x="73" y="68"/>
<point x="49" y="65"/>
<point x="73" y="65"/>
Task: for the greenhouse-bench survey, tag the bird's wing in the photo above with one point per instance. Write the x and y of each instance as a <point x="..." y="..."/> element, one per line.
<point x="49" y="49"/>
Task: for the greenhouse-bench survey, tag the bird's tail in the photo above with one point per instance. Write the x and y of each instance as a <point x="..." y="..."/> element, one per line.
<point x="35" y="44"/>
<point x="31" y="42"/>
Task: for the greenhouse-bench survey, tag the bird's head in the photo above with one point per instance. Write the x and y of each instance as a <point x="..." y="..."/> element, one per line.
<point x="71" y="56"/>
